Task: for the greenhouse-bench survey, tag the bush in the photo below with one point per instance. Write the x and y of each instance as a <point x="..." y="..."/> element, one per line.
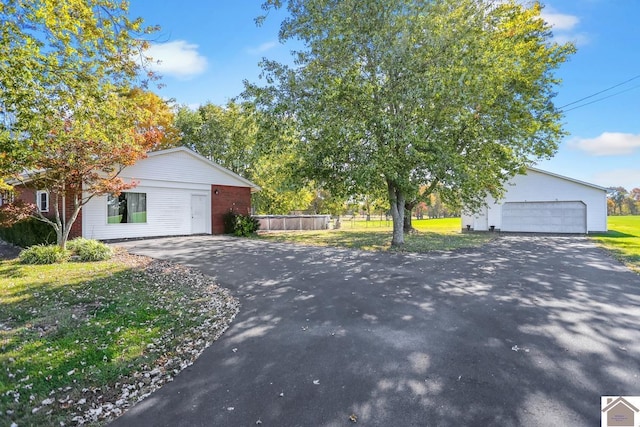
<point x="29" y="232"/>
<point x="89" y="250"/>
<point x="41" y="254"/>
<point x="240" y="225"/>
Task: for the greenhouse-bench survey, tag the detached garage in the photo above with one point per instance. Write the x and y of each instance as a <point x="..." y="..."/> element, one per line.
<point x="543" y="202"/>
<point x="178" y="192"/>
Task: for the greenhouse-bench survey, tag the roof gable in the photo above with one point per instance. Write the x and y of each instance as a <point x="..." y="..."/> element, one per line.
<point x="566" y="178"/>
<point x="620" y="401"/>
<point x="177" y="155"/>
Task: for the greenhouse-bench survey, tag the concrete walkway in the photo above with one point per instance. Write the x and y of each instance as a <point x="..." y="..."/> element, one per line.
<point x="523" y="331"/>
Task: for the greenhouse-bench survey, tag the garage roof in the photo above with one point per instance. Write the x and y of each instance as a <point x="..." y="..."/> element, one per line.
<point x="586" y="184"/>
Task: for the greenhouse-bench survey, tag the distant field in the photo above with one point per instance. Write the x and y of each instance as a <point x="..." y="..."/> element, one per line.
<point x="435" y="225"/>
<point x="623" y="239"/>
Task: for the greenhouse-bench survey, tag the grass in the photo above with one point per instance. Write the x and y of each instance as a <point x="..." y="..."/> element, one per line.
<point x="72" y="335"/>
<point x="375" y="235"/>
<point x="623" y="240"/>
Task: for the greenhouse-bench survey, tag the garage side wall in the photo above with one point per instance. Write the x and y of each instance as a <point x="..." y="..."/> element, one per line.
<point x="226" y="198"/>
<point x="542" y="187"/>
<point x="168" y="212"/>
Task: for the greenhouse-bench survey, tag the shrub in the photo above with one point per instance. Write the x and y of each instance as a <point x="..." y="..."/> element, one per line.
<point x="44" y="254"/>
<point x="29" y="232"/>
<point x="240" y="225"/>
<point x="89" y="250"/>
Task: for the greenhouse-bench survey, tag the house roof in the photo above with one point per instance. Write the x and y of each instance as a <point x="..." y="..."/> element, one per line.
<point x="620" y="400"/>
<point x="566" y="178"/>
<point x="29" y="175"/>
<point x="254" y="187"/>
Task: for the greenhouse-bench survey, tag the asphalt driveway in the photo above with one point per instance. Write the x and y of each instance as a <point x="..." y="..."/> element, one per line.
<point x="523" y="331"/>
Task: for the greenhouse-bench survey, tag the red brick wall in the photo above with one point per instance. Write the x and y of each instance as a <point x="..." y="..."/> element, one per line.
<point x="226" y="198"/>
<point x="28" y="195"/>
<point x="76" y="228"/>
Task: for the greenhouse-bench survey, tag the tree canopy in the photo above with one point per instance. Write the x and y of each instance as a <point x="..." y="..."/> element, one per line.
<point x="396" y="95"/>
<point x="71" y="111"/>
<point x="242" y="140"/>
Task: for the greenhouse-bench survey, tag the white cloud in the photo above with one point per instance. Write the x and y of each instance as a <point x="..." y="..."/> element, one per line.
<point x="579" y="39"/>
<point x="564" y="27"/>
<point x="560" y="21"/>
<point x="177" y="58"/>
<point x="627" y="178"/>
<point x="608" y="144"/>
<point x="264" y="47"/>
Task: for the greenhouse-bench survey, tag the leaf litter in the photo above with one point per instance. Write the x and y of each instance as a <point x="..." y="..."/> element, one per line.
<point x="212" y="306"/>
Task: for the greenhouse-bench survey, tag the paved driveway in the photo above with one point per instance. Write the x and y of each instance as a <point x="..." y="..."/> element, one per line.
<point x="523" y="331"/>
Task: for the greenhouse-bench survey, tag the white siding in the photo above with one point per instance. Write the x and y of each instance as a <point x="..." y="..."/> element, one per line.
<point x="538" y="186"/>
<point x="180" y="167"/>
<point x="169" y="178"/>
<point x="168" y="213"/>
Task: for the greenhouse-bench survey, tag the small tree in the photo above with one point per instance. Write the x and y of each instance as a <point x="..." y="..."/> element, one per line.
<point x="617" y="195"/>
<point x="69" y="113"/>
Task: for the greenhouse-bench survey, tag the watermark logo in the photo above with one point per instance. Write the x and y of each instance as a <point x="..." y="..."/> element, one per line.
<point x="620" y="411"/>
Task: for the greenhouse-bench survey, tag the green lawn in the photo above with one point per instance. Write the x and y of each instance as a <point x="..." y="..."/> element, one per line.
<point x="375" y="235"/>
<point x="136" y="218"/>
<point x="73" y="336"/>
<point x="623" y="239"/>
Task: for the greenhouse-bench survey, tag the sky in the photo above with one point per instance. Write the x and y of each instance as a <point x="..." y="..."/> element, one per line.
<point x="207" y="48"/>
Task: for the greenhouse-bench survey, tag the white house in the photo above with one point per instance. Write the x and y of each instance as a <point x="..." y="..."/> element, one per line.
<point x="543" y="202"/>
<point x="178" y="192"/>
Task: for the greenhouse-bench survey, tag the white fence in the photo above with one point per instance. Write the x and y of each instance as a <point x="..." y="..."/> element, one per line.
<point x="293" y="222"/>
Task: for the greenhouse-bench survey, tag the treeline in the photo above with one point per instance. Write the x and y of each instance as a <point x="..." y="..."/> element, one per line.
<point x="623" y="202"/>
<point x="237" y="137"/>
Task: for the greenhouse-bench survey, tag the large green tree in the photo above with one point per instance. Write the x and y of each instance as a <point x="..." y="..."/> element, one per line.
<point x="225" y="135"/>
<point x="242" y="140"/>
<point x="69" y="111"/>
<point x="401" y="94"/>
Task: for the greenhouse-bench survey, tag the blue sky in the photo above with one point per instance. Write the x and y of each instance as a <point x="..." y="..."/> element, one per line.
<point x="208" y="48"/>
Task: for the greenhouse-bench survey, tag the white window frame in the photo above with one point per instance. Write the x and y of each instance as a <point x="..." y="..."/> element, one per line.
<point x="39" y="200"/>
<point x="6" y="197"/>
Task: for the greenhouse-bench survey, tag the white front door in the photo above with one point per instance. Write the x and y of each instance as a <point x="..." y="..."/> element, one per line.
<point x="198" y="214"/>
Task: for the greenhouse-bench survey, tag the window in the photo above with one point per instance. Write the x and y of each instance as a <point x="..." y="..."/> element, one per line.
<point x="42" y="201"/>
<point x="127" y="208"/>
<point x="6" y="197"/>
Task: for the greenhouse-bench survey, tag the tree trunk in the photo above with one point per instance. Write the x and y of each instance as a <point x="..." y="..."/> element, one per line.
<point x="408" y="208"/>
<point x="63" y="225"/>
<point x="396" y="201"/>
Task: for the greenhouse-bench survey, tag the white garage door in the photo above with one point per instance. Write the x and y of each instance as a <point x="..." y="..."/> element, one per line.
<point x="545" y="217"/>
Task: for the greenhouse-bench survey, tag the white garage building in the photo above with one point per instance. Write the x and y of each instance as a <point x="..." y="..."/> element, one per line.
<point x="178" y="192"/>
<point x="543" y="202"/>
